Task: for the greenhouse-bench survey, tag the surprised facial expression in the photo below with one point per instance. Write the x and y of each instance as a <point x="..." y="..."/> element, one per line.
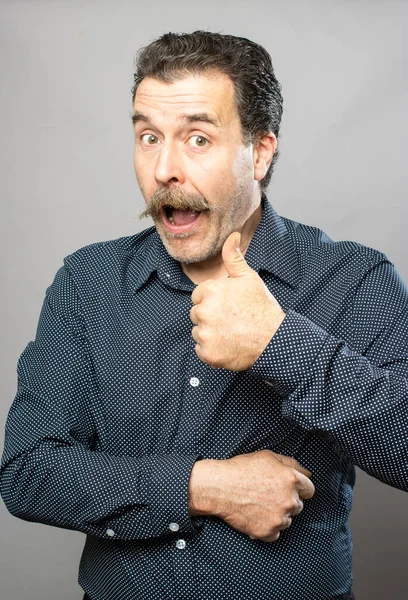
<point x="193" y="168"/>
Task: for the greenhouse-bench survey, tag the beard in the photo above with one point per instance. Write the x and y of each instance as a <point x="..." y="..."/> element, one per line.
<point x="167" y="198"/>
<point x="227" y="214"/>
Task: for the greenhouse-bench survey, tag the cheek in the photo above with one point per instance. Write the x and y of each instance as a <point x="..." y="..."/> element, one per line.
<point x="144" y="175"/>
<point x="220" y="177"/>
<point x="243" y="165"/>
<point x="139" y="162"/>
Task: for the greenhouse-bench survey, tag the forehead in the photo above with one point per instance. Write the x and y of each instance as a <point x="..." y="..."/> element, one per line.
<point x="211" y="93"/>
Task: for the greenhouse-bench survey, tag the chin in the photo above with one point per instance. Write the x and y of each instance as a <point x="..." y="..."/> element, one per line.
<point x="189" y="256"/>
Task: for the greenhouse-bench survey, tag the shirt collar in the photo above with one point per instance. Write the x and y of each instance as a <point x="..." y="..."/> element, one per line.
<point x="271" y="249"/>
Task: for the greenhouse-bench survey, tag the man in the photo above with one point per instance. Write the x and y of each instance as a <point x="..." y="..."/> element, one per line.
<point x="186" y="383"/>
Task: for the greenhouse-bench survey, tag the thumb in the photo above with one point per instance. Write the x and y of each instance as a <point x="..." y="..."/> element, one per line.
<point x="233" y="258"/>
<point x="292" y="462"/>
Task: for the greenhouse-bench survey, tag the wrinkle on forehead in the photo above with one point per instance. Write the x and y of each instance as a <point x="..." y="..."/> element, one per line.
<point x="215" y="93"/>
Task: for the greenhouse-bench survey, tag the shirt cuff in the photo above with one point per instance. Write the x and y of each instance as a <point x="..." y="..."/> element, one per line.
<point x="167" y="494"/>
<point x="289" y="357"/>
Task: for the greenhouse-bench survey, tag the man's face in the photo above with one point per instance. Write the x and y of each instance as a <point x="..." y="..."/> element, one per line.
<point x="188" y="141"/>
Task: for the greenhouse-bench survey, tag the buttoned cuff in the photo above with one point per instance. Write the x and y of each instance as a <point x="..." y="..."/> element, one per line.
<point x="289" y="357"/>
<point x="167" y="494"/>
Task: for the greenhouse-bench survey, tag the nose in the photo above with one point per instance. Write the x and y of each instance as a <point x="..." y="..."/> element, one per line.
<point x="169" y="167"/>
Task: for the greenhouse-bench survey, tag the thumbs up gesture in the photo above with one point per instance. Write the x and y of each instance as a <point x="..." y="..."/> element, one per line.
<point x="236" y="317"/>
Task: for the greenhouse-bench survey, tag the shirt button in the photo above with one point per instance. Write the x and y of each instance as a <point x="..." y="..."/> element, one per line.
<point x="110" y="532"/>
<point x="194" y="381"/>
<point x="174" y="526"/>
<point x="181" y="544"/>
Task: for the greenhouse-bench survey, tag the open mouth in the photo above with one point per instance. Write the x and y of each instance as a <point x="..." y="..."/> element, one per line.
<point x="179" y="220"/>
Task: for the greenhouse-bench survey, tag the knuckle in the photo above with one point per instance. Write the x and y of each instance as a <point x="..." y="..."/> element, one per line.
<point x="266" y="456"/>
<point x="272" y="538"/>
<point x="286" y="522"/>
<point x="195" y="296"/>
<point x="199" y="312"/>
<point x="206" y="354"/>
<point x="210" y="286"/>
<point x="281" y="523"/>
<point x="264" y="532"/>
<point x="292" y="477"/>
<point x="205" y="335"/>
<point x="289" y="505"/>
<point x="215" y="362"/>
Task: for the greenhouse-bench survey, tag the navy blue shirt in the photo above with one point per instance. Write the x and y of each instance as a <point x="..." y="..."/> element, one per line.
<point x="113" y="408"/>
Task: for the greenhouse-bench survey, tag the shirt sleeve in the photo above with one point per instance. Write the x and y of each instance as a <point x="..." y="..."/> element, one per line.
<point x="51" y="471"/>
<point x="356" y="392"/>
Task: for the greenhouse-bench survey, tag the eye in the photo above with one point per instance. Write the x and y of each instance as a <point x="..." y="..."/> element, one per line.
<point x="198" y="141"/>
<point x="149" y="139"/>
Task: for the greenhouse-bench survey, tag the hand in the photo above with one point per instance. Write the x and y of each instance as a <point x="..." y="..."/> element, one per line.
<point x="257" y="493"/>
<point x="234" y="318"/>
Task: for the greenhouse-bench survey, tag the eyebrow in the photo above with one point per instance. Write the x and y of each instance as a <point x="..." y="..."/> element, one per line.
<point x="136" y="117"/>
<point x="201" y="117"/>
<point x="190" y="118"/>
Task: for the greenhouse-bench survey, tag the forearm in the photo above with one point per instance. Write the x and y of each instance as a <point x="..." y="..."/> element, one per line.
<point x="70" y="486"/>
<point x="52" y="473"/>
<point x="326" y="386"/>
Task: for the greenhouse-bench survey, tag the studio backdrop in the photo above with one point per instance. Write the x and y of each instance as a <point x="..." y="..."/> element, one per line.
<point x="67" y="180"/>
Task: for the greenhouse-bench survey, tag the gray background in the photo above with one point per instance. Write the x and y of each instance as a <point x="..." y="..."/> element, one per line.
<point x="67" y="180"/>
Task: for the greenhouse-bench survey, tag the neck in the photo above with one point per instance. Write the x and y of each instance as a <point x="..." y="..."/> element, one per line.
<point x="213" y="267"/>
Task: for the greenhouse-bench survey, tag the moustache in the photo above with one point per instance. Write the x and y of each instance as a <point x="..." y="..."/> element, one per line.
<point x="174" y="198"/>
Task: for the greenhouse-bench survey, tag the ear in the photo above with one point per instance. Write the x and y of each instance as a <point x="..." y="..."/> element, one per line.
<point x="264" y="149"/>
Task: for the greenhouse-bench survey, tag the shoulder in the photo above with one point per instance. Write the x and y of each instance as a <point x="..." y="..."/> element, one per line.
<point x="97" y="269"/>
<point x="107" y="253"/>
<point x="313" y="245"/>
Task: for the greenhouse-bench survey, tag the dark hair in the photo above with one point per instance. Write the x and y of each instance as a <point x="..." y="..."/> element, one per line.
<point x="257" y="91"/>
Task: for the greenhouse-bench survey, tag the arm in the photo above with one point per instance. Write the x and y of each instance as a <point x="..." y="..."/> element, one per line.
<point x="51" y="472"/>
<point x="358" y="398"/>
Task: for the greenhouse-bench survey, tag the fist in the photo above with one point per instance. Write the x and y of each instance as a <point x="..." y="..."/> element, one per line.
<point x="234" y="318"/>
<point x="258" y="493"/>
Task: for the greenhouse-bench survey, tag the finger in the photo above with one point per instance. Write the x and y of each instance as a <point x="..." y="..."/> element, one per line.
<point x="270" y="538"/>
<point x="305" y="487"/>
<point x="303" y="471"/>
<point x="193" y="316"/>
<point x="198" y="293"/>
<point x="233" y="258"/>
<point x="195" y="334"/>
<point x="198" y="352"/>
<point x="286" y="523"/>
<point x="297" y="509"/>
<point x="289" y="461"/>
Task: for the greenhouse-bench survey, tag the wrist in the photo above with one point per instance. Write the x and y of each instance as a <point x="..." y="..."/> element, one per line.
<point x="202" y="489"/>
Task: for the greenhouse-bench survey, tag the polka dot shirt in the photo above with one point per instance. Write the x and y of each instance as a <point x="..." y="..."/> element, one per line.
<point x="113" y="408"/>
